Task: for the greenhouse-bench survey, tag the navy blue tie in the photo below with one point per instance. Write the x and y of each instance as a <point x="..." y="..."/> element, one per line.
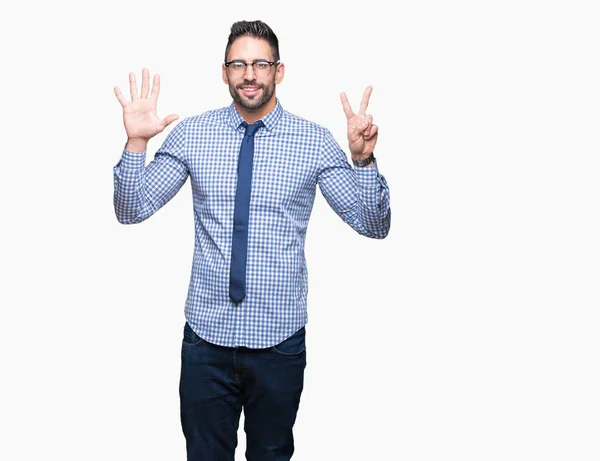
<point x="239" y="248"/>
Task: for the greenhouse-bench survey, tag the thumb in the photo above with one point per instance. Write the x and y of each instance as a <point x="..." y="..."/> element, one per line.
<point x="168" y="120"/>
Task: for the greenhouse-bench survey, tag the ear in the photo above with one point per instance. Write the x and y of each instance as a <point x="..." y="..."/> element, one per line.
<point x="279" y="73"/>
<point x="225" y="77"/>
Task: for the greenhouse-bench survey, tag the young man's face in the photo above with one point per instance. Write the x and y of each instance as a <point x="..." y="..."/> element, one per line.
<point x="250" y="90"/>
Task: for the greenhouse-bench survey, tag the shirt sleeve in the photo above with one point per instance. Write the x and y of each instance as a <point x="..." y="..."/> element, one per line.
<point x="359" y="195"/>
<point x="141" y="191"/>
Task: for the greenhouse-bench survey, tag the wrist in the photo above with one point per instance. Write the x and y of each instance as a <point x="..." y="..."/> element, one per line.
<point x="136" y="145"/>
<point x="363" y="160"/>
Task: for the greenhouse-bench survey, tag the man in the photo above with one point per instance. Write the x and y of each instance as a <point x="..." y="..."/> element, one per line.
<point x="254" y="168"/>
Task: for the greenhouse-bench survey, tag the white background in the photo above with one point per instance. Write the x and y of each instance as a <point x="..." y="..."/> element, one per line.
<point x="470" y="333"/>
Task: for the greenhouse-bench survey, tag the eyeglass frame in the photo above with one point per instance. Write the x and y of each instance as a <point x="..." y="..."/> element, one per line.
<point x="264" y="61"/>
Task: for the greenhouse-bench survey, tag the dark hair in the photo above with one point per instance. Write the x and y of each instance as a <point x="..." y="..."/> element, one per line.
<point x="256" y="29"/>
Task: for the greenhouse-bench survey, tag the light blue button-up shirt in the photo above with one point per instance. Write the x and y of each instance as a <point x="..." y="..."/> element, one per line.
<point x="291" y="157"/>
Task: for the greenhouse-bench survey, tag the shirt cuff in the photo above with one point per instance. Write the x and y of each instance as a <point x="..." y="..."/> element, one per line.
<point x="132" y="160"/>
<point x="368" y="176"/>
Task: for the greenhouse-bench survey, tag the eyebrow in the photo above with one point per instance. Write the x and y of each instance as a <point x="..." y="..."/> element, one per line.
<point x="255" y="60"/>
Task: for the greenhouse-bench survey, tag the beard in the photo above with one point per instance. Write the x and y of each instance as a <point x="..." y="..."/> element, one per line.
<point x="253" y="102"/>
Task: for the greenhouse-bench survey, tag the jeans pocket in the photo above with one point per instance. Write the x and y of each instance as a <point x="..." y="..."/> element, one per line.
<point x="190" y="338"/>
<point x="293" y="346"/>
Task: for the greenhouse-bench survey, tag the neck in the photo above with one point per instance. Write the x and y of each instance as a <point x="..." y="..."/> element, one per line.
<point x="252" y="115"/>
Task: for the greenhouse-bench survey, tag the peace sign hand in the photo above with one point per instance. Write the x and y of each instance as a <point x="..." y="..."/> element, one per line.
<point x="362" y="133"/>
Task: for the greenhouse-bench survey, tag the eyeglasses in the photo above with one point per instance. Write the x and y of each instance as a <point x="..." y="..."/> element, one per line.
<point x="261" y="67"/>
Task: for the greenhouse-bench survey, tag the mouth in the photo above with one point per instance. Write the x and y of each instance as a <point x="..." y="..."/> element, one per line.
<point x="249" y="90"/>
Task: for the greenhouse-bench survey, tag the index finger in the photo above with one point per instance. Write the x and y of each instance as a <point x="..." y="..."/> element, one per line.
<point x="346" y="105"/>
<point x="365" y="100"/>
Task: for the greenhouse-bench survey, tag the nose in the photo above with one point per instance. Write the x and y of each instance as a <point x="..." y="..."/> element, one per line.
<point x="249" y="74"/>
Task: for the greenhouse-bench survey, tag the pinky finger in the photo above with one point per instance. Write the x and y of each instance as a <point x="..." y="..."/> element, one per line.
<point x="120" y="96"/>
<point x="372" y="132"/>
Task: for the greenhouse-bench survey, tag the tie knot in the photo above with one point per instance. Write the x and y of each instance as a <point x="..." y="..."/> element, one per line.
<point x="251" y="129"/>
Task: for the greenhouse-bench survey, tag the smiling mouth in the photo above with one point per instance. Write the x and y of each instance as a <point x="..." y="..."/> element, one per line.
<point x="249" y="89"/>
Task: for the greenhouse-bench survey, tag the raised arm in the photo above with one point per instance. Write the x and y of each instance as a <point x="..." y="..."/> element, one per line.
<point x="140" y="191"/>
<point x="358" y="194"/>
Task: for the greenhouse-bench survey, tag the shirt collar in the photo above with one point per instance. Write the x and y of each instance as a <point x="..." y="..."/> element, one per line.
<point x="270" y="120"/>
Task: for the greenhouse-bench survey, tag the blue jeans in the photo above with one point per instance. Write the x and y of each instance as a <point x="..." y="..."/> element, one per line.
<point x="216" y="382"/>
